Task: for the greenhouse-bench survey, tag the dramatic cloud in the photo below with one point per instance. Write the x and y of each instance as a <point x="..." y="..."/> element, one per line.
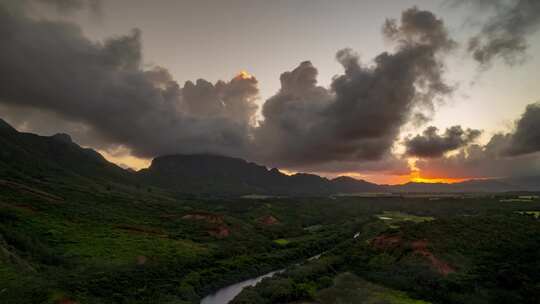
<point x="359" y="118"/>
<point x="506" y="32"/>
<point x="511" y="154"/>
<point x="55" y="78"/>
<point x="481" y="161"/>
<point x="62" y="7"/>
<point x="526" y="138"/>
<point x="430" y="144"/>
<point x="68" y="6"/>
<point x="50" y="65"/>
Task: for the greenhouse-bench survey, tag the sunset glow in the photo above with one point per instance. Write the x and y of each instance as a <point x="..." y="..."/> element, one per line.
<point x="126" y="160"/>
<point x="243" y="74"/>
<point x="416" y="177"/>
<point x="217" y="152"/>
<point x="386" y="106"/>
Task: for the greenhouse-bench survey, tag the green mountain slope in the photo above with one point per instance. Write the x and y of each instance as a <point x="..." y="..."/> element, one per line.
<point x="39" y="158"/>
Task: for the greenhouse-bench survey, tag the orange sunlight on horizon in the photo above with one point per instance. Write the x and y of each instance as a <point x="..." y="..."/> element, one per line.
<point x="129" y="161"/>
<point x="416" y="177"/>
<point x="126" y="161"/>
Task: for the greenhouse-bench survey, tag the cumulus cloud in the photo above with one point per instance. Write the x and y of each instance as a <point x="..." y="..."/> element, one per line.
<point x="62" y="7"/>
<point x="359" y="117"/>
<point x="526" y="138"/>
<point x="505" y="34"/>
<point x="511" y="154"/>
<point x="431" y="144"/>
<point x="68" y="6"/>
<point x="100" y="92"/>
<point x="52" y="66"/>
<point x="481" y="161"/>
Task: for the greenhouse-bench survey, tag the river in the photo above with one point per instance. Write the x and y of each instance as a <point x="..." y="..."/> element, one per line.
<point x="226" y="294"/>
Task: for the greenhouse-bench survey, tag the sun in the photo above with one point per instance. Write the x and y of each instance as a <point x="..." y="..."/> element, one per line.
<point x="243" y="74"/>
<point x="417" y="178"/>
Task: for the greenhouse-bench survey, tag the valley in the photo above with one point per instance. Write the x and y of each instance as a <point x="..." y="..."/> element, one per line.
<point x="77" y="229"/>
<point x="269" y="152"/>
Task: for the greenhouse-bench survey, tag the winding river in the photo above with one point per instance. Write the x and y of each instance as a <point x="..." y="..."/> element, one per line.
<point x="226" y="294"/>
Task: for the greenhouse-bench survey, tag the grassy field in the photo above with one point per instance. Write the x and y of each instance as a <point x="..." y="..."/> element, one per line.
<point x="349" y="288"/>
<point x="394" y="218"/>
<point x="282" y="242"/>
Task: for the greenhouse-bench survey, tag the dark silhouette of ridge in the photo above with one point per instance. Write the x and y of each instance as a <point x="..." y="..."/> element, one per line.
<point x="34" y="158"/>
<point x="212" y="173"/>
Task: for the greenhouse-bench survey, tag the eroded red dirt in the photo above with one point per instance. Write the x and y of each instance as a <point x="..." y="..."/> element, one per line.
<point x="268" y="220"/>
<point x="141" y="259"/>
<point x="218" y="228"/>
<point x="66" y="301"/>
<point x="418" y="247"/>
<point x="221" y="231"/>
<point x="208" y="217"/>
<point x="142" y="230"/>
<point x="386" y="242"/>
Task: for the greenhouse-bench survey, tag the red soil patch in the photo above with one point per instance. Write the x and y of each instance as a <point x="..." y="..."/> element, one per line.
<point x="142" y="230"/>
<point x="220" y="231"/>
<point x="208" y="217"/>
<point x="141" y="260"/>
<point x="386" y="242"/>
<point x="418" y="247"/>
<point x="268" y="220"/>
<point x="218" y="228"/>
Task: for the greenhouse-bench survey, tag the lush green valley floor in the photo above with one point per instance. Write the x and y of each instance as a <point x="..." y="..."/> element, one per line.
<point x="116" y="244"/>
<point x="476" y="250"/>
<point x="93" y="242"/>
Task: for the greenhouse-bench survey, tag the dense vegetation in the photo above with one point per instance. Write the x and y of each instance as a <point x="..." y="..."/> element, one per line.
<point x="470" y="254"/>
<point x="77" y="229"/>
<point x="108" y="246"/>
<point x="121" y="245"/>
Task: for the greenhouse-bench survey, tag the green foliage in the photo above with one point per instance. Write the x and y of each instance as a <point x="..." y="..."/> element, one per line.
<point x="282" y="242"/>
<point x="494" y="254"/>
<point x="75" y="227"/>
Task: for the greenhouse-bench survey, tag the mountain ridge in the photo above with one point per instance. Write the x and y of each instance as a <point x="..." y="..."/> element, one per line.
<point x="205" y="174"/>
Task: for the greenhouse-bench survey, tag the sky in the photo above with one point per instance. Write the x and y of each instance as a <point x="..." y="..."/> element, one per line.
<point x="445" y="92"/>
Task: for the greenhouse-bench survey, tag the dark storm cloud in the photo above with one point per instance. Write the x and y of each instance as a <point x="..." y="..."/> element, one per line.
<point x="50" y="65"/>
<point x="360" y="116"/>
<point x="511" y="154"/>
<point x="526" y="138"/>
<point x="506" y="32"/>
<point x="419" y="119"/>
<point x="388" y="164"/>
<point x="99" y="92"/>
<point x="430" y="144"/>
<point x="234" y="99"/>
<point x="68" y="6"/>
<point x="482" y="161"/>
